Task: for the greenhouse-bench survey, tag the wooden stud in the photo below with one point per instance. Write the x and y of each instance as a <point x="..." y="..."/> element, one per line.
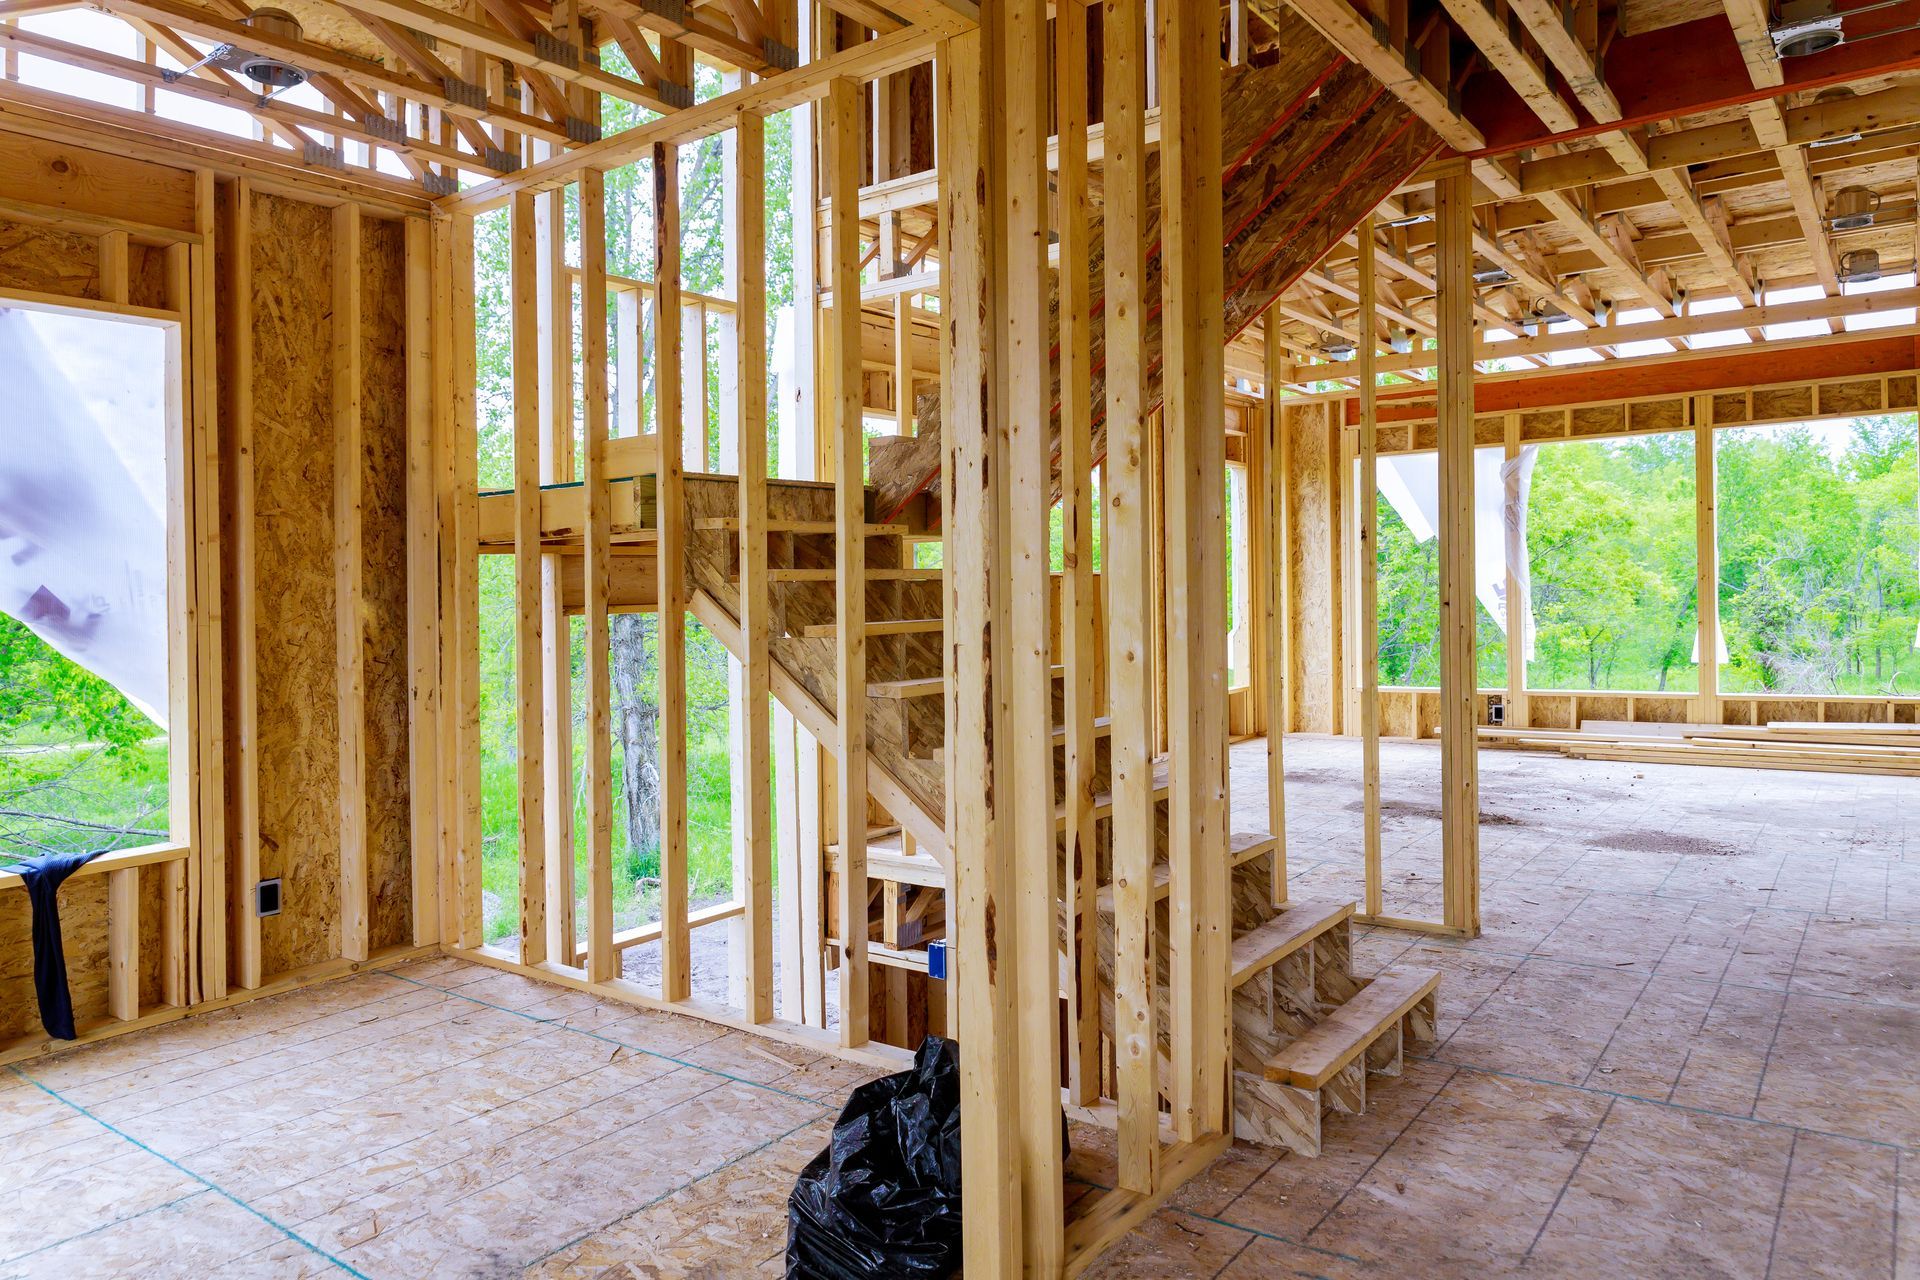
<point x="984" y="996"/>
<point x="423" y="582"/>
<point x="1195" y="434"/>
<point x="756" y="621"/>
<point x="1519" y="609"/>
<point x="1127" y="552"/>
<point x="556" y="632"/>
<point x="528" y="646"/>
<point x="675" y="965"/>
<point x="244" y="770"/>
<point x="348" y="565"/>
<point x="1016" y="40"/>
<point x="1459" y="766"/>
<point x="1077" y="586"/>
<point x="196" y="890"/>
<point x="603" y="961"/>
<point x="1278" y="576"/>
<point x="1366" y="578"/>
<point x="123" y="943"/>
<point x="1706" y="570"/>
<point x="464" y="646"/>
<point x="845" y="123"/>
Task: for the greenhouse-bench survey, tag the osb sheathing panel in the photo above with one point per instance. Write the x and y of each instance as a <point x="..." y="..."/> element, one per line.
<point x="1900" y="393"/>
<point x="298" y="718"/>
<point x="1658" y="415"/>
<point x="1851" y="397"/>
<point x="1312" y="619"/>
<point x="1783" y="402"/>
<point x="1598" y="420"/>
<point x="384" y="580"/>
<point x="1731" y="407"/>
<point x="40" y="259"/>
<point x="83" y="933"/>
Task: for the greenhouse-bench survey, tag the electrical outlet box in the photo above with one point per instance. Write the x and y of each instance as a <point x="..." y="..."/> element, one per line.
<point x="266" y="897"/>
<point x="1496" y="711"/>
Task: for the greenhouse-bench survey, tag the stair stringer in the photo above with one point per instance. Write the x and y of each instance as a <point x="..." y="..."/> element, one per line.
<point x="801" y="676"/>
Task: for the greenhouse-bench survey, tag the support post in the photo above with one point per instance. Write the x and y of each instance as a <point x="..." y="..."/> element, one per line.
<point x="556" y="632"/>
<point x="1459" y="746"/>
<point x="1195" y="434"/>
<point x="1278" y="652"/>
<point x="423" y="602"/>
<point x="983" y="874"/>
<point x="1706" y="570"/>
<point x="1077" y="586"/>
<point x="846" y="119"/>
<point x="756" y="620"/>
<point x="1366" y="649"/>
<point x="1519" y="609"/>
<point x="603" y="962"/>
<point x="348" y="566"/>
<point x="1128" y="564"/>
<point x="676" y="972"/>
<point x="528" y="672"/>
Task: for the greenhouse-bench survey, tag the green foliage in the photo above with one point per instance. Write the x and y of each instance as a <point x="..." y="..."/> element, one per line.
<point x="80" y="766"/>
<point x="635" y="710"/>
<point x="1409" y="618"/>
<point x="1817" y="542"/>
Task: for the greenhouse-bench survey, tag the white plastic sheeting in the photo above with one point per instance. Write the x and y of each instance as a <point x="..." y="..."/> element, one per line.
<point x="1501" y="490"/>
<point x="83" y="546"/>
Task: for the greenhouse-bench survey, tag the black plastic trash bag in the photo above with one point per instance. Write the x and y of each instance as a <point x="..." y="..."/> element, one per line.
<point x="883" y="1200"/>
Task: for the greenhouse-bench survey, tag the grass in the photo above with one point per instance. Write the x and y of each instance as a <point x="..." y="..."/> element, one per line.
<point x="636" y="897"/>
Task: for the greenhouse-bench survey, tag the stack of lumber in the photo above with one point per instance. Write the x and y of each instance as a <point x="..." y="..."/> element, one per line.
<point x="1821" y="748"/>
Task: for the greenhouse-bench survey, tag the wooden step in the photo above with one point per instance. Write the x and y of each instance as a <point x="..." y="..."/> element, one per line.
<point x="905" y="575"/>
<point x="1102" y="728"/>
<point x="1266" y="945"/>
<point x="878" y="627"/>
<point x="1242" y="846"/>
<point x="1319" y="1055"/>
<point x="731" y="524"/>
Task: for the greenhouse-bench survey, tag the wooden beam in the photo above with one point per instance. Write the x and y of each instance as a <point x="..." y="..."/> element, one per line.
<point x="1279" y="642"/>
<point x="1459" y="768"/>
<point x="348" y="567"/>
<point x="1367" y="587"/>
<point x="1706" y="564"/>
<point x="1194" y="418"/>
<point x="603" y="960"/>
<point x="756" y="619"/>
<point x="810" y="83"/>
<point x="1077" y="586"/>
<point x="846" y="123"/>
<point x="123" y="943"/>
<point x="423" y="582"/>
<point x="675" y="955"/>
<point x="557" y="466"/>
<point x="244" y="770"/>
<point x="1016" y="39"/>
<point x="1351" y="33"/>
<point x="528" y="632"/>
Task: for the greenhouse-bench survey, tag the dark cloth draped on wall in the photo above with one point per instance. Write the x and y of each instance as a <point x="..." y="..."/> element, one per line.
<point x="43" y="877"/>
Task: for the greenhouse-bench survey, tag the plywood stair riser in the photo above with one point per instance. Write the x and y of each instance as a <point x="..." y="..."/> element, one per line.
<point x="1295" y="998"/>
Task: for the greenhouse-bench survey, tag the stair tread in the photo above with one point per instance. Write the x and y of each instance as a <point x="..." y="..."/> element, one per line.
<point x="1242" y="846"/>
<point x="1272" y="941"/>
<point x="1317" y="1056"/>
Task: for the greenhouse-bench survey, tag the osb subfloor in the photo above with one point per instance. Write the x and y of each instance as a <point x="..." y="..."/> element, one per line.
<point x="1687" y="1045"/>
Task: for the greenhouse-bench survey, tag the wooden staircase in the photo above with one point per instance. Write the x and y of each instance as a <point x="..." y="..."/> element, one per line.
<point x="1308" y="1032"/>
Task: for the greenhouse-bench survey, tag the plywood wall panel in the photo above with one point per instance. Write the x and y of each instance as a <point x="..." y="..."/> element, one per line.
<point x="293" y="486"/>
<point x="45" y="260"/>
<point x="384" y="581"/>
<point x="1312" y="550"/>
